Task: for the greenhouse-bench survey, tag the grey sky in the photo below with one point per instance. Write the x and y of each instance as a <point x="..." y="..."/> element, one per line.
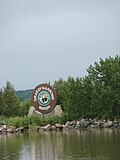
<point x="43" y="40"/>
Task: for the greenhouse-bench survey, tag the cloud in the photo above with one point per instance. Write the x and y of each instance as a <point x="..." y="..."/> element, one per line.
<point x="42" y="42"/>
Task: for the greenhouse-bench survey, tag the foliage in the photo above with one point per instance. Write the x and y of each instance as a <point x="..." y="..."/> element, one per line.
<point x="28" y="121"/>
<point x="1" y="101"/>
<point x="95" y="95"/>
<point x="13" y="121"/>
<point x="10" y="101"/>
<point x="105" y="77"/>
<point x="24" y="107"/>
<point x="11" y="104"/>
<point x="24" y="94"/>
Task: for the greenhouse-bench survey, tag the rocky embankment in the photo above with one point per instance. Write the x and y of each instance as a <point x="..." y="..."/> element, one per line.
<point x="76" y="124"/>
<point x="10" y="129"/>
<point x="83" y="123"/>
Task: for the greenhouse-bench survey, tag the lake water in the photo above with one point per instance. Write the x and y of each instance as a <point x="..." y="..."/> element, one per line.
<point x="94" y="144"/>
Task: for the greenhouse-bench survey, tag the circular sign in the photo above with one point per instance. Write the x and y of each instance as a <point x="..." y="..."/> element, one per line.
<point x="44" y="98"/>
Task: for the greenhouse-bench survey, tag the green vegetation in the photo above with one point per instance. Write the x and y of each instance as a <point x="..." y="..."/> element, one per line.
<point x="24" y="94"/>
<point x="11" y="104"/>
<point x="95" y="95"/>
<point x="28" y="121"/>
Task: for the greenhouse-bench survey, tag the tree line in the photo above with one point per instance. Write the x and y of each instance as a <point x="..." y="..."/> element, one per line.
<point x="95" y="95"/>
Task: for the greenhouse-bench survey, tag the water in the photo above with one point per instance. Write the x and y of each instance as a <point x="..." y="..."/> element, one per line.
<point x="95" y="144"/>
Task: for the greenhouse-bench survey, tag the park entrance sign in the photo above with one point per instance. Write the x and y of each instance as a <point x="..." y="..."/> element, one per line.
<point x="44" y="98"/>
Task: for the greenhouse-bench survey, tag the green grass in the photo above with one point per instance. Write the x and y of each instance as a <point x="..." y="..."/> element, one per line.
<point x="28" y="121"/>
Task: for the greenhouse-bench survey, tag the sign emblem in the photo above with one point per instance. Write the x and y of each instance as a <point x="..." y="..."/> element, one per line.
<point x="44" y="98"/>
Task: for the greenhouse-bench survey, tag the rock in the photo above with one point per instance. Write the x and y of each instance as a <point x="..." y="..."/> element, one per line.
<point x="90" y="126"/>
<point x="58" y="110"/>
<point x="95" y="124"/>
<point x="20" y="129"/>
<point x="118" y="125"/>
<point x="47" y="127"/>
<point x="91" y="121"/>
<point x="67" y="124"/>
<point x="40" y="129"/>
<point x="72" y="124"/>
<point x="11" y="130"/>
<point x="108" y="124"/>
<point x="32" y="111"/>
<point x="53" y="127"/>
<point x="115" y="125"/>
<point x="59" y="126"/>
<point x="84" y="123"/>
<point x="4" y="128"/>
<point x="101" y="123"/>
<point x="1" y="129"/>
<point x="77" y="124"/>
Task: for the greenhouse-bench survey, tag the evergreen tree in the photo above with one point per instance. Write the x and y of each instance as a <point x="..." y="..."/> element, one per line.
<point x="10" y="101"/>
<point x="105" y="77"/>
<point x="1" y="102"/>
<point x="95" y="95"/>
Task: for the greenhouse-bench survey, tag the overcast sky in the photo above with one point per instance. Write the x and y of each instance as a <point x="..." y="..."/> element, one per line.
<point x="44" y="40"/>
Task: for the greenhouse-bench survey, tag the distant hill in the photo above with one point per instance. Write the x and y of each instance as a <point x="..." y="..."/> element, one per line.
<point x="24" y="94"/>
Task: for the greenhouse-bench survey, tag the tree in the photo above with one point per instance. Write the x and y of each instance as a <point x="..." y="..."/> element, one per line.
<point x="1" y="102"/>
<point x="105" y="77"/>
<point x="10" y="101"/>
<point x="24" y="107"/>
<point x="60" y="89"/>
<point x="95" y="95"/>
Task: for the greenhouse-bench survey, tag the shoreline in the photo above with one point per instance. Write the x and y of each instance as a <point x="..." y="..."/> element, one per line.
<point x="69" y="125"/>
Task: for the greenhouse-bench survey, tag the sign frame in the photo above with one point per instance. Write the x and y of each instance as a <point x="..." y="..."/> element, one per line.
<point x="44" y="98"/>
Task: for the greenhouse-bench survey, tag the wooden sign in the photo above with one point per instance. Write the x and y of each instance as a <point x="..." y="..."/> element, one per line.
<point x="44" y="98"/>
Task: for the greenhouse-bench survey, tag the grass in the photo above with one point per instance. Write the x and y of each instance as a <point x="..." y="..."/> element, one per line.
<point x="28" y="121"/>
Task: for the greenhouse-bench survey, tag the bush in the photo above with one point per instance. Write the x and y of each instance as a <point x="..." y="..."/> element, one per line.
<point x="28" y="121"/>
<point x="13" y="121"/>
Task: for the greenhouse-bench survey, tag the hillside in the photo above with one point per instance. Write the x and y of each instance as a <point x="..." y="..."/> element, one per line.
<point x="24" y="94"/>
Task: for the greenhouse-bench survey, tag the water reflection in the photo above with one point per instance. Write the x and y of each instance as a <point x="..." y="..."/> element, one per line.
<point x="93" y="144"/>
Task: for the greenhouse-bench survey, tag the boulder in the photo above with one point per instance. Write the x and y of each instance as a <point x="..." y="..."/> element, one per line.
<point x="11" y="130"/>
<point x="84" y="123"/>
<point x="32" y="111"/>
<point x="20" y="129"/>
<point x="72" y="124"/>
<point x="40" y="129"/>
<point x="108" y="124"/>
<point x="57" y="111"/>
<point x="67" y="124"/>
<point x="4" y="128"/>
<point x="59" y="126"/>
<point x="53" y="127"/>
<point x="47" y="127"/>
<point x="118" y="125"/>
<point x="78" y="124"/>
<point x="1" y="128"/>
<point x="95" y="124"/>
